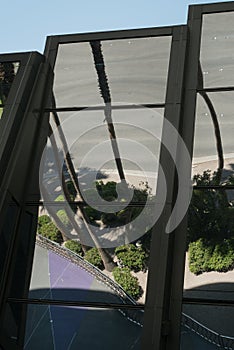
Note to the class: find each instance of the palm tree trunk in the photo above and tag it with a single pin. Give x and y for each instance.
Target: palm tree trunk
(107, 260)
(105, 93)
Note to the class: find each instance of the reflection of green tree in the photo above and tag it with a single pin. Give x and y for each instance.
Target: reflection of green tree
(7, 75)
(108, 192)
(128, 282)
(210, 226)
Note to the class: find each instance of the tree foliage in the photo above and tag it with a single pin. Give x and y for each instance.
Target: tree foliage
(210, 226)
(42, 220)
(205, 256)
(131, 256)
(94, 258)
(74, 246)
(128, 282)
(51, 232)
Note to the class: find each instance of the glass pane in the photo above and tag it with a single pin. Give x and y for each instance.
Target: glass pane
(209, 270)
(7, 233)
(210, 233)
(114, 219)
(127, 71)
(60, 327)
(20, 277)
(217, 54)
(209, 274)
(89, 142)
(207, 327)
(208, 126)
(8, 71)
(59, 274)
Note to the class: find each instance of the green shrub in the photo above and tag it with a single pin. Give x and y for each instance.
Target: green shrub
(42, 220)
(74, 246)
(132, 257)
(199, 256)
(128, 282)
(94, 258)
(222, 258)
(205, 256)
(51, 232)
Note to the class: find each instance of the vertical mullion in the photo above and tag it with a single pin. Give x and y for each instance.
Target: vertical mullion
(157, 308)
(187, 133)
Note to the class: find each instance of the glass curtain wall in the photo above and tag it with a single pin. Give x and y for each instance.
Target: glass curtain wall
(209, 279)
(98, 186)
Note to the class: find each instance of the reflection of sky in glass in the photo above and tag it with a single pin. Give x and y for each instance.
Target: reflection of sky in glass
(136, 71)
(204, 141)
(217, 53)
(138, 134)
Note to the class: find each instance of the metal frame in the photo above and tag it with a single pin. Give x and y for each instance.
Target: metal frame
(159, 286)
(162, 314)
(162, 319)
(53, 42)
(23, 136)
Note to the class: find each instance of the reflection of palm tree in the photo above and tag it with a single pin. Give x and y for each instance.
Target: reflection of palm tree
(106, 258)
(105, 93)
(215, 124)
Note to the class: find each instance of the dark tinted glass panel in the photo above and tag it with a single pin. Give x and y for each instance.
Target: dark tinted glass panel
(207, 327)
(214, 131)
(8, 71)
(127, 71)
(6, 234)
(20, 278)
(217, 55)
(64, 327)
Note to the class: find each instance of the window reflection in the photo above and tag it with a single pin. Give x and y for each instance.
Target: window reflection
(136, 70)
(80, 328)
(217, 55)
(207, 145)
(8, 71)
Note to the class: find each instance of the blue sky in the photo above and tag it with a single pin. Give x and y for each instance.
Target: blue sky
(25, 24)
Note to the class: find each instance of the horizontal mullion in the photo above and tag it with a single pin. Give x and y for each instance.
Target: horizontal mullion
(213, 187)
(97, 108)
(76, 303)
(115, 35)
(83, 203)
